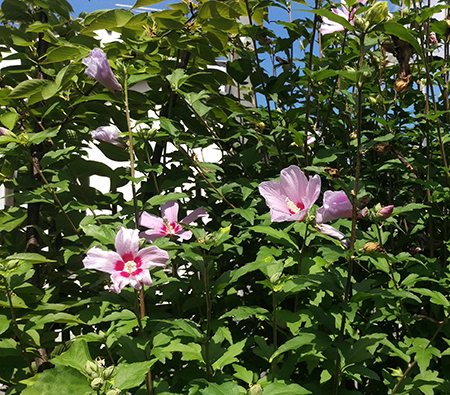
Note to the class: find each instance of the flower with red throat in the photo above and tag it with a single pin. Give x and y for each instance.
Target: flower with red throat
(128, 265)
(99, 68)
(168, 225)
(330, 26)
(292, 197)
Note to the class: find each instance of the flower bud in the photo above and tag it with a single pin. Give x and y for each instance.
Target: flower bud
(97, 383)
(361, 24)
(107, 373)
(255, 390)
(386, 212)
(92, 369)
(377, 13)
(114, 392)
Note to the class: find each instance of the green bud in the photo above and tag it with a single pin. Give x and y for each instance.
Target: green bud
(372, 100)
(107, 373)
(255, 390)
(92, 369)
(361, 24)
(377, 13)
(113, 392)
(102, 336)
(12, 264)
(97, 383)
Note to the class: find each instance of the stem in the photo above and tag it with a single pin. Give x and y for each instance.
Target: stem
(17, 329)
(208, 320)
(348, 286)
(274, 333)
(299, 271)
(131, 150)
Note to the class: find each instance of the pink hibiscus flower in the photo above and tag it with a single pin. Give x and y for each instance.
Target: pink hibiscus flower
(168, 225)
(292, 198)
(127, 265)
(336, 205)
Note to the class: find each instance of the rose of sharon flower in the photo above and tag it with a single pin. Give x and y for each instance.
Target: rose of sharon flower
(99, 68)
(127, 265)
(292, 198)
(3, 131)
(330, 26)
(330, 231)
(336, 205)
(168, 225)
(108, 134)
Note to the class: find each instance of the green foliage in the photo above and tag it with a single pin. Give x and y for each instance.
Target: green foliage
(246, 305)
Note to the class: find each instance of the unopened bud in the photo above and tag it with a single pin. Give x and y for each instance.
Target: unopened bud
(386, 212)
(255, 390)
(107, 373)
(361, 24)
(92, 369)
(97, 383)
(377, 13)
(114, 392)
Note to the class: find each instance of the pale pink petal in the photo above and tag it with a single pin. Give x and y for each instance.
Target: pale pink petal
(197, 213)
(184, 235)
(342, 13)
(330, 231)
(151, 235)
(335, 205)
(127, 243)
(151, 221)
(108, 134)
(105, 261)
(274, 195)
(313, 189)
(294, 183)
(144, 278)
(329, 27)
(169, 211)
(119, 281)
(151, 256)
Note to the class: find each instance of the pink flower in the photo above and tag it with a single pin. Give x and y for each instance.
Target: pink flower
(330, 231)
(386, 212)
(127, 265)
(168, 225)
(99, 68)
(108, 134)
(330, 26)
(335, 205)
(292, 198)
(310, 139)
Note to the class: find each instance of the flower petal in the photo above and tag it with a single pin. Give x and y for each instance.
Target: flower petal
(151, 221)
(151, 235)
(169, 211)
(152, 256)
(274, 195)
(184, 234)
(119, 282)
(336, 205)
(104, 261)
(127, 243)
(99, 68)
(294, 183)
(330, 231)
(313, 189)
(144, 278)
(197, 213)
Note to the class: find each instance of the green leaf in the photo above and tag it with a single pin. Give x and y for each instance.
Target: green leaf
(145, 3)
(131, 375)
(190, 351)
(9, 119)
(29, 257)
(216, 10)
(280, 236)
(159, 200)
(61, 380)
(27, 88)
(229, 356)
(228, 388)
(110, 20)
(76, 357)
(243, 312)
(401, 32)
(436, 297)
(103, 233)
(280, 388)
(177, 78)
(293, 344)
(37, 138)
(333, 17)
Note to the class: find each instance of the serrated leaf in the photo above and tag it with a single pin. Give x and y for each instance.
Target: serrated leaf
(76, 357)
(229, 356)
(131, 375)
